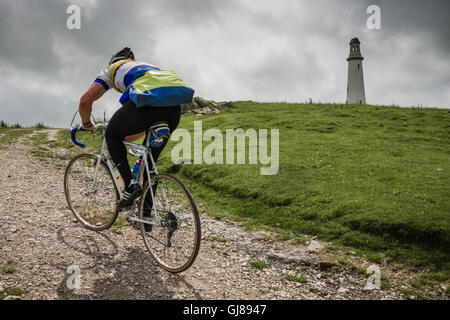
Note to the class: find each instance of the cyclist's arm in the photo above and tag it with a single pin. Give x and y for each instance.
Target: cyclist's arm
(95, 91)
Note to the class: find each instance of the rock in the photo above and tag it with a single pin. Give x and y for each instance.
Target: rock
(226, 105)
(205, 110)
(201, 106)
(342, 290)
(202, 103)
(185, 108)
(177, 165)
(12, 298)
(291, 257)
(315, 246)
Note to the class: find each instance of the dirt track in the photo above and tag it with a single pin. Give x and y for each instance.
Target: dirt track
(40, 240)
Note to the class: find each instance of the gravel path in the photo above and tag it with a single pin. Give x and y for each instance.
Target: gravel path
(42, 245)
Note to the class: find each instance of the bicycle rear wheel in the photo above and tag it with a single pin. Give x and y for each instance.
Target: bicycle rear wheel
(174, 237)
(90, 192)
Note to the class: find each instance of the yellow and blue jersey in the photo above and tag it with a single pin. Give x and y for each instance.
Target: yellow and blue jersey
(145, 84)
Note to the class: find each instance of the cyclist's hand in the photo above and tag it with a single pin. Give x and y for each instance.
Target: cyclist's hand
(88, 127)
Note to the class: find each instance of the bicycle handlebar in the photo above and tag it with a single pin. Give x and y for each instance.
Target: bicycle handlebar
(99, 127)
(74, 138)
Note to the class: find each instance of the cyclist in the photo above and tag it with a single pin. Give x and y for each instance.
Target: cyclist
(131, 120)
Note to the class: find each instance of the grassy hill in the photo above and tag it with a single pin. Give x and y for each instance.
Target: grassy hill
(371, 178)
(375, 179)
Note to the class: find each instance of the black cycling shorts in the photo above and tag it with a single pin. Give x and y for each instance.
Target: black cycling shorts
(129, 120)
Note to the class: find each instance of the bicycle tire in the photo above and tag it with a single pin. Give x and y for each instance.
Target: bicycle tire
(181, 241)
(112, 212)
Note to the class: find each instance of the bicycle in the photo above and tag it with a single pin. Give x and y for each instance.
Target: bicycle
(165, 213)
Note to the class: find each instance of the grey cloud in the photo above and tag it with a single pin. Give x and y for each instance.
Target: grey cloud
(237, 49)
(189, 13)
(27, 33)
(410, 16)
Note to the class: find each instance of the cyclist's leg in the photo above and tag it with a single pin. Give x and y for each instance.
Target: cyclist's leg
(120, 125)
(172, 116)
(129, 120)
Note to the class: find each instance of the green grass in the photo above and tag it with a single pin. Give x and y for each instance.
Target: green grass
(385, 283)
(371, 178)
(273, 288)
(9, 135)
(258, 264)
(93, 142)
(118, 225)
(295, 278)
(11, 291)
(42, 153)
(427, 286)
(39, 137)
(9, 270)
(428, 280)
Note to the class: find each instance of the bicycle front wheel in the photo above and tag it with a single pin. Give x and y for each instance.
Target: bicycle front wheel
(173, 238)
(90, 192)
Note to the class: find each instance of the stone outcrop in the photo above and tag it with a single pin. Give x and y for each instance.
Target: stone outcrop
(202, 106)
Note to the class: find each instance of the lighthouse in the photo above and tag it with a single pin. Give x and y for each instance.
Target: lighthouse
(355, 81)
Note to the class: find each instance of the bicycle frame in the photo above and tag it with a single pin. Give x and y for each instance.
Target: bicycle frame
(146, 154)
(173, 241)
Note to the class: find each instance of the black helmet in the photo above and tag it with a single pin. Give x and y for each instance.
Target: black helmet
(123, 54)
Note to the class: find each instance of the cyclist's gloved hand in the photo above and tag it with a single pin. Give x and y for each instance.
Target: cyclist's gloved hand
(88, 126)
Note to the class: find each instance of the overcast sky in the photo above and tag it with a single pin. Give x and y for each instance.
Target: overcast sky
(257, 50)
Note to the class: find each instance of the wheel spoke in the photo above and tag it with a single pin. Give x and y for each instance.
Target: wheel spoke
(174, 245)
(90, 192)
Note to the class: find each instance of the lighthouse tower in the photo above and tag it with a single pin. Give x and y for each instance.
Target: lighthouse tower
(355, 80)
